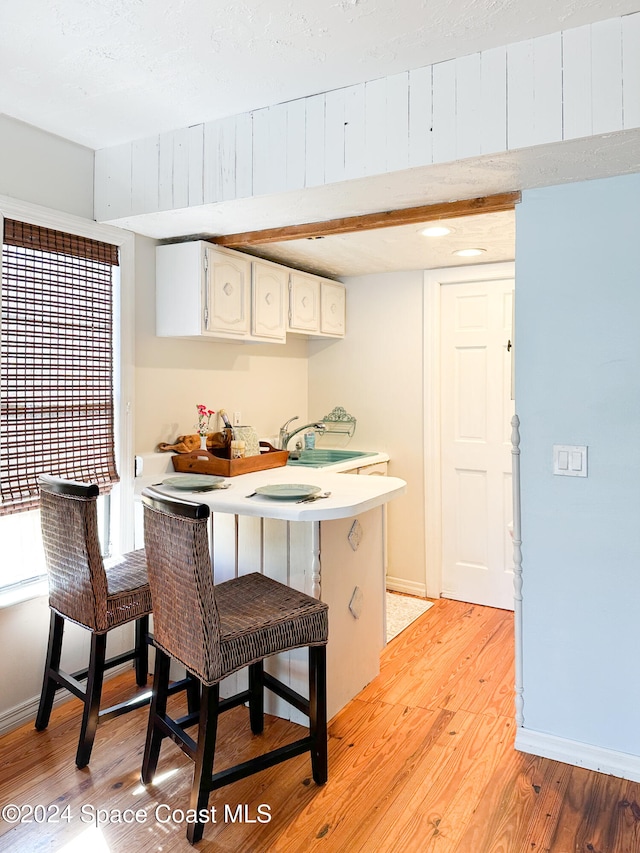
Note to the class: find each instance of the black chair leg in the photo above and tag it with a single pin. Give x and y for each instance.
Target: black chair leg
(207, 730)
(157, 711)
(256, 697)
(318, 713)
(52, 665)
(193, 694)
(142, 650)
(92, 699)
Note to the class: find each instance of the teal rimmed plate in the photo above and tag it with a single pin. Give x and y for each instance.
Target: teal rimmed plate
(194, 483)
(287, 491)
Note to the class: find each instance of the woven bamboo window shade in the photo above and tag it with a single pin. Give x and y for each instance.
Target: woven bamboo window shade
(56, 362)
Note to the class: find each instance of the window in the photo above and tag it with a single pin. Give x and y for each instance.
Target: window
(57, 411)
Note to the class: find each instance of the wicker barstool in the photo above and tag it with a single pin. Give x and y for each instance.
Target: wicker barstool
(98, 596)
(216, 630)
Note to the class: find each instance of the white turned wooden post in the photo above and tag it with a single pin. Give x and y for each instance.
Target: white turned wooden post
(517, 569)
(316, 575)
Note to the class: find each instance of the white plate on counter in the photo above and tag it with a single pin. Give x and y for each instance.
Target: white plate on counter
(193, 483)
(287, 491)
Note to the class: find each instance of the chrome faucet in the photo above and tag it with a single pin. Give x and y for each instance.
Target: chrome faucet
(285, 436)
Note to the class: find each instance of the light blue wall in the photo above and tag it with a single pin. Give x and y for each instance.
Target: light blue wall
(578, 382)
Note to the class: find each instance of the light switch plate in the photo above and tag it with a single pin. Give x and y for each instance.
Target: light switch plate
(570, 460)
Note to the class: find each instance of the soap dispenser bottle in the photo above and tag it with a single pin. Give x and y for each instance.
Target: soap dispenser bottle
(309, 440)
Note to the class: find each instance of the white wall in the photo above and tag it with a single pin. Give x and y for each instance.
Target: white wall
(578, 369)
(266, 383)
(376, 374)
(40, 168)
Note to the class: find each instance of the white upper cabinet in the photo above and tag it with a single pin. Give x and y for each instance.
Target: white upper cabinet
(317, 306)
(203, 291)
(332, 309)
(226, 293)
(269, 295)
(304, 303)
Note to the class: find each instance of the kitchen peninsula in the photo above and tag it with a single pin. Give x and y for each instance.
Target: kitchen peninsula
(332, 548)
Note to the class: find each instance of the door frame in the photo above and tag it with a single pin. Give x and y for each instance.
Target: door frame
(433, 281)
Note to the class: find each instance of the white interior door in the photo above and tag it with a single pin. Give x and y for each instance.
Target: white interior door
(476, 410)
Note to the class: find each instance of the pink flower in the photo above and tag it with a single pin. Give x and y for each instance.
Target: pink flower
(204, 419)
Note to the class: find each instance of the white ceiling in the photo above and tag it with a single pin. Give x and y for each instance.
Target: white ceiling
(102, 72)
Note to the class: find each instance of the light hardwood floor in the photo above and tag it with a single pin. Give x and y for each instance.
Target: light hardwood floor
(422, 760)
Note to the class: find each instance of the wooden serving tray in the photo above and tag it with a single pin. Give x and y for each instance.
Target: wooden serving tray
(204, 462)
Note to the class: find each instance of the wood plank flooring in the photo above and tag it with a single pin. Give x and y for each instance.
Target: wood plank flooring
(422, 760)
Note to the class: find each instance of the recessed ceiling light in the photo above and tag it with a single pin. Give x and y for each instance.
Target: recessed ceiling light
(436, 231)
(469, 253)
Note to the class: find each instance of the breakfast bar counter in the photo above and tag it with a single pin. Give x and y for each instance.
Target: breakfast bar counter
(349, 494)
(332, 548)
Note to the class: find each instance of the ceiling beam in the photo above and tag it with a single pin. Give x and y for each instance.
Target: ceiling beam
(370, 221)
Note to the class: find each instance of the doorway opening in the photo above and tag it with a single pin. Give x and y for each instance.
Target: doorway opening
(468, 408)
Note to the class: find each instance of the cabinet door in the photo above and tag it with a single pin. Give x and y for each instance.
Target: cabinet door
(227, 294)
(378, 469)
(332, 309)
(304, 303)
(269, 285)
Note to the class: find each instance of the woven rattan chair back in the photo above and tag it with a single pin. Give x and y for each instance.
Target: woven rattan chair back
(77, 579)
(186, 622)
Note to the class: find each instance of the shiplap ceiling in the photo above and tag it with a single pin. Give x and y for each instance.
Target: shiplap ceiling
(102, 73)
(400, 248)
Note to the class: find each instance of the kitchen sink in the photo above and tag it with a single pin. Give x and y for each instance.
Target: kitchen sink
(320, 457)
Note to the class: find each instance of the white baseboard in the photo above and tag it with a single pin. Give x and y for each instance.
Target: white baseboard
(621, 764)
(26, 711)
(21, 714)
(408, 587)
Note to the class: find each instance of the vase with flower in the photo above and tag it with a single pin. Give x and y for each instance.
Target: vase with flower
(203, 425)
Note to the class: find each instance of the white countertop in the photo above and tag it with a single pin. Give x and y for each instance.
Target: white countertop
(351, 494)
